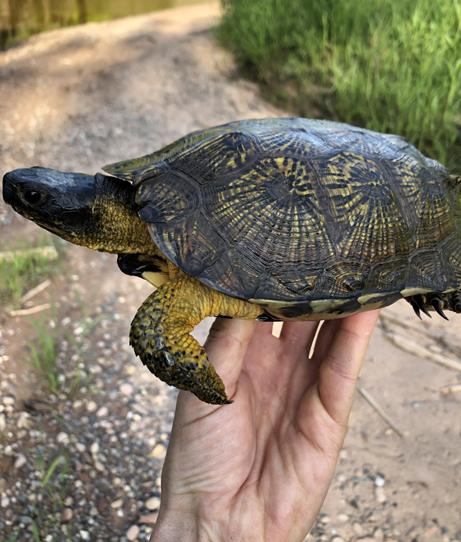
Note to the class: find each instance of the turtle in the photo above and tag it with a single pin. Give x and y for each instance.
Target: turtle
(263, 219)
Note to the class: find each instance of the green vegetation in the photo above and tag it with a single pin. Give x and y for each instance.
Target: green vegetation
(26, 266)
(54, 488)
(43, 352)
(44, 349)
(391, 66)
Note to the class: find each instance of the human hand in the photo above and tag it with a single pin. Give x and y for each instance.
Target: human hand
(259, 469)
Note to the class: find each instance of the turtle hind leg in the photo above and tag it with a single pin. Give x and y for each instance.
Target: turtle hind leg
(455, 301)
(160, 335)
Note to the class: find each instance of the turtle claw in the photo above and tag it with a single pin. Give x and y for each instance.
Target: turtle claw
(434, 301)
(418, 299)
(437, 304)
(415, 307)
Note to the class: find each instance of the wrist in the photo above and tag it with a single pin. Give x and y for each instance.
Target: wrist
(177, 525)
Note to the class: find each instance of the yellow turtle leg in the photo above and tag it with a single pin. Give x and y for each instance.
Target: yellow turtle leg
(160, 334)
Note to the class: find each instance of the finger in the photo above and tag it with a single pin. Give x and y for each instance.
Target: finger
(324, 339)
(226, 347)
(299, 333)
(341, 365)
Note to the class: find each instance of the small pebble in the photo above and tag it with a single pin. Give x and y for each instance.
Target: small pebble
(380, 495)
(132, 533)
(159, 451)
(366, 539)
(379, 482)
(337, 539)
(343, 518)
(20, 461)
(62, 438)
(66, 515)
(117, 504)
(2, 422)
(94, 448)
(80, 447)
(325, 519)
(153, 503)
(126, 389)
(148, 518)
(8, 400)
(84, 535)
(24, 421)
(358, 529)
(4, 501)
(102, 412)
(91, 406)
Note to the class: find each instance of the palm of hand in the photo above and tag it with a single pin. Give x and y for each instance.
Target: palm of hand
(259, 469)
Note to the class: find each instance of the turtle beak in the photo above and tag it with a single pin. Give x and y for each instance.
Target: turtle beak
(8, 188)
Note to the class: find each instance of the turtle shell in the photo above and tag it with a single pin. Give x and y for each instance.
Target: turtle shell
(301, 216)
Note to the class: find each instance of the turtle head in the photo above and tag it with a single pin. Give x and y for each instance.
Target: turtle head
(94, 211)
(59, 202)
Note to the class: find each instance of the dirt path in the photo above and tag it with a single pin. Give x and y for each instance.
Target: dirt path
(77, 99)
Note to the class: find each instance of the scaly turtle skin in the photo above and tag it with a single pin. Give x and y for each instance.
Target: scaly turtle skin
(271, 219)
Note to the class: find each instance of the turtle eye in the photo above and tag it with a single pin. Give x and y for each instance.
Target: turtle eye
(32, 197)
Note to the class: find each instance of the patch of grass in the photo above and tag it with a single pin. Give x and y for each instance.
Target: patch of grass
(54, 488)
(44, 349)
(43, 352)
(388, 66)
(24, 266)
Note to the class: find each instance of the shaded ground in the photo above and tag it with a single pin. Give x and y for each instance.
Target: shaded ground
(83, 97)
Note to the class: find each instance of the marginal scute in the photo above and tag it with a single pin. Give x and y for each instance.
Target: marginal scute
(407, 292)
(136, 170)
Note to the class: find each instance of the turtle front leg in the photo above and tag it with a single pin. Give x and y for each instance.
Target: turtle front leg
(160, 334)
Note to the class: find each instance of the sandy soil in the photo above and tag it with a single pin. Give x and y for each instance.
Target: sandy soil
(79, 98)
